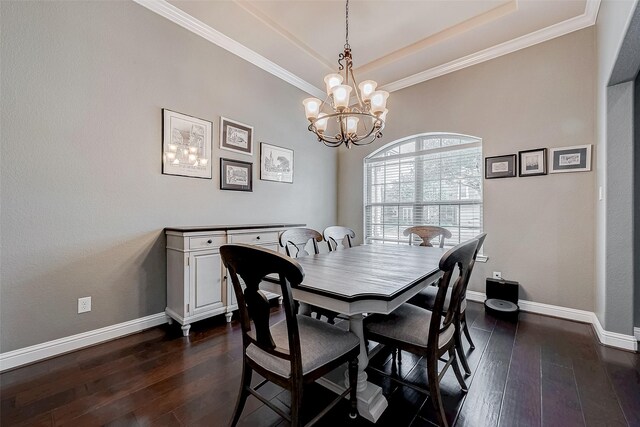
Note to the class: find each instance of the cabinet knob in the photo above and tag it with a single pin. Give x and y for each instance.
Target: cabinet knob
(209, 241)
(258, 238)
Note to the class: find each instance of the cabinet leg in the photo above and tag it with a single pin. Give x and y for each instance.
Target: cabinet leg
(280, 300)
(185, 329)
(228, 316)
(170, 320)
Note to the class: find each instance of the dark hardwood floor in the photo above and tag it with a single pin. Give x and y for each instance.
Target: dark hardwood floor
(537, 372)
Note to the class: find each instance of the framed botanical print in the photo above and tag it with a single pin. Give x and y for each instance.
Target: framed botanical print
(236, 175)
(532, 162)
(186, 145)
(236, 136)
(570, 159)
(276, 163)
(500, 166)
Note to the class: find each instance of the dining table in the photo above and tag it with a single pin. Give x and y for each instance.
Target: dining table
(366, 279)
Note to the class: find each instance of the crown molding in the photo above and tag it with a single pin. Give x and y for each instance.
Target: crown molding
(587, 19)
(176, 15)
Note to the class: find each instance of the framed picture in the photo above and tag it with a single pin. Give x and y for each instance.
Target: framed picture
(500, 166)
(532, 162)
(236, 175)
(571, 159)
(236, 136)
(186, 145)
(276, 163)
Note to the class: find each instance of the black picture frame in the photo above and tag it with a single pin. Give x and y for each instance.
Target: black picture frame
(532, 162)
(500, 166)
(236, 136)
(232, 177)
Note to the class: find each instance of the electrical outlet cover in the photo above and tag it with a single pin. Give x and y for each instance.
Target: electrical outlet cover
(84, 304)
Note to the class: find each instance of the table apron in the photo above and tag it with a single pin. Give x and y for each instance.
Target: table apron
(355, 307)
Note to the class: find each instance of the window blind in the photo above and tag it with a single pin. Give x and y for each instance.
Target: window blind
(431, 179)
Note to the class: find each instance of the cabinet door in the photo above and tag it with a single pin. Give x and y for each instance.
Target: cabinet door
(206, 282)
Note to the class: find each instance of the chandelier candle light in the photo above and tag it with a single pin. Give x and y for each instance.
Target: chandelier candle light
(359, 124)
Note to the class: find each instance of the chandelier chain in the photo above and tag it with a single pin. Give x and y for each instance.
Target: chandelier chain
(346, 45)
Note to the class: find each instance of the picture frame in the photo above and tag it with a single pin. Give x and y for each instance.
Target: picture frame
(500, 166)
(276, 163)
(187, 142)
(532, 162)
(576, 158)
(236, 136)
(236, 175)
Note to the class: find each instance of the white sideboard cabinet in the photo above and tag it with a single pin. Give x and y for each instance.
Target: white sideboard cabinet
(197, 285)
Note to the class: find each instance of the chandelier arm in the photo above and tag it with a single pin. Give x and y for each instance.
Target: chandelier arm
(355, 87)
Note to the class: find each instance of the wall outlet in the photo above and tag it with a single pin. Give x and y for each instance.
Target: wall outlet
(497, 275)
(84, 304)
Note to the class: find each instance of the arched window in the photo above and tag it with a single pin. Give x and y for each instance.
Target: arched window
(426, 179)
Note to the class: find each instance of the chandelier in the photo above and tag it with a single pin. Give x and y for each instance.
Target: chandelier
(358, 124)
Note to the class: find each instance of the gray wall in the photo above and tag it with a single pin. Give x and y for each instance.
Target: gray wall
(83, 198)
(540, 229)
(614, 281)
(619, 189)
(636, 202)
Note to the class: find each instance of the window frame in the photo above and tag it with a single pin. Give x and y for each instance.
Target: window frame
(375, 157)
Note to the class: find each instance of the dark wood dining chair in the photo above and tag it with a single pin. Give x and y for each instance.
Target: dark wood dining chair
(295, 241)
(339, 237)
(293, 352)
(427, 233)
(427, 297)
(426, 333)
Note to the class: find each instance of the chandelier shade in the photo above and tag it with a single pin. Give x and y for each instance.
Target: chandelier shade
(337, 120)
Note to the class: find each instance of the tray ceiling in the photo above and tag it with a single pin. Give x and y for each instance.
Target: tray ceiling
(397, 43)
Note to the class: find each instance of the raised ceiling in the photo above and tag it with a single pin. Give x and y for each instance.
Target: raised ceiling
(397, 43)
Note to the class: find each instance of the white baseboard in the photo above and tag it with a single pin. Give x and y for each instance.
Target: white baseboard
(612, 339)
(23, 356)
(34, 353)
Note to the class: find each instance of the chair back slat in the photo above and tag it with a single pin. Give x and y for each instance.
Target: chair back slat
(295, 241)
(249, 265)
(427, 233)
(336, 236)
(480, 238)
(459, 257)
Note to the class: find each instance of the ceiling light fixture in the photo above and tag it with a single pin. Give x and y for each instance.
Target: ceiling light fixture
(359, 124)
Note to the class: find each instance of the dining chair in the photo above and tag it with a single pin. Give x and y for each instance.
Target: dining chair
(426, 299)
(295, 241)
(427, 233)
(293, 352)
(429, 334)
(336, 236)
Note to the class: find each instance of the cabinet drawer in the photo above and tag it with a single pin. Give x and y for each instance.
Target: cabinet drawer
(205, 242)
(255, 238)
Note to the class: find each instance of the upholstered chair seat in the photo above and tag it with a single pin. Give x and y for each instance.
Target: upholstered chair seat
(320, 343)
(408, 323)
